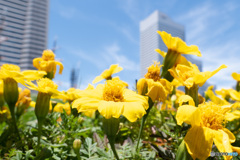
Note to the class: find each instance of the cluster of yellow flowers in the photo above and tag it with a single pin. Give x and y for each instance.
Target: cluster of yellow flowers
(113, 99)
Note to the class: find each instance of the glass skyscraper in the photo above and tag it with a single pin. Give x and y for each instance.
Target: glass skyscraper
(25, 25)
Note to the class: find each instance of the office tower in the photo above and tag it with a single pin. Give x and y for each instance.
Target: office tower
(151, 40)
(25, 25)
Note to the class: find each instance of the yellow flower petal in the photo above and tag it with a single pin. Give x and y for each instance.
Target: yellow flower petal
(133, 110)
(202, 77)
(188, 114)
(109, 109)
(185, 98)
(178, 45)
(236, 76)
(199, 142)
(222, 141)
(162, 53)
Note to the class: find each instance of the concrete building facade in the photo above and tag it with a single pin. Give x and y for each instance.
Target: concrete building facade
(25, 25)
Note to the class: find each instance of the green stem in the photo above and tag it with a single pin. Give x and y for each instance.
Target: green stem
(78, 155)
(15, 126)
(110, 127)
(112, 142)
(39, 134)
(150, 103)
(193, 92)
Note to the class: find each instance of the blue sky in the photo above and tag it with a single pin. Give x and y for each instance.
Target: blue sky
(92, 34)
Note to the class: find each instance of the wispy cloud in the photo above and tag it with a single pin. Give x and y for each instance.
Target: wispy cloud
(113, 55)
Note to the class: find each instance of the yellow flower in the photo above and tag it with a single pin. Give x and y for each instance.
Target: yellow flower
(189, 76)
(207, 126)
(44, 85)
(112, 100)
(152, 85)
(209, 92)
(224, 93)
(107, 74)
(60, 107)
(47, 63)
(234, 113)
(14, 72)
(24, 98)
(11, 74)
(178, 45)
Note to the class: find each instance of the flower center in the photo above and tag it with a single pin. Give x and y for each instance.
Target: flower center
(154, 72)
(46, 83)
(113, 91)
(48, 55)
(11, 67)
(213, 116)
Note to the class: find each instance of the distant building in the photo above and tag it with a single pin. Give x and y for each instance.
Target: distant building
(26, 29)
(151, 40)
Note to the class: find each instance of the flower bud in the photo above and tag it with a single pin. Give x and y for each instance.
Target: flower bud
(10, 92)
(77, 144)
(42, 105)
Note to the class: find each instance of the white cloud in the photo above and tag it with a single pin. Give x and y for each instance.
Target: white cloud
(113, 55)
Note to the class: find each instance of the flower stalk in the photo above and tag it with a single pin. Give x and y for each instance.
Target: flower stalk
(110, 127)
(193, 92)
(151, 103)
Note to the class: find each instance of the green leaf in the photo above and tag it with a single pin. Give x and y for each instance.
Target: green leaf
(182, 153)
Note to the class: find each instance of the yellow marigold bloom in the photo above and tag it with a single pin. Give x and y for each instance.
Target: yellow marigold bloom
(24, 98)
(44, 85)
(152, 85)
(178, 45)
(224, 93)
(207, 126)
(189, 76)
(209, 92)
(112, 99)
(107, 74)
(14, 72)
(234, 113)
(47, 63)
(60, 107)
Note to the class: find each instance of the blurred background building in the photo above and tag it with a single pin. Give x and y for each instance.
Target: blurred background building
(24, 30)
(151, 40)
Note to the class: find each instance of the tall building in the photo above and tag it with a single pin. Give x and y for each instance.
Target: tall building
(25, 25)
(151, 40)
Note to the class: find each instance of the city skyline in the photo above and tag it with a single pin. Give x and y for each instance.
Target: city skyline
(25, 28)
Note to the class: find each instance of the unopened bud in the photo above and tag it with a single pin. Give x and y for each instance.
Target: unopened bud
(80, 120)
(77, 144)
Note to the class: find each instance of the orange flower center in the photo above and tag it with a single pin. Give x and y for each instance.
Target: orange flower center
(113, 91)
(11, 67)
(46, 83)
(154, 72)
(48, 55)
(213, 116)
